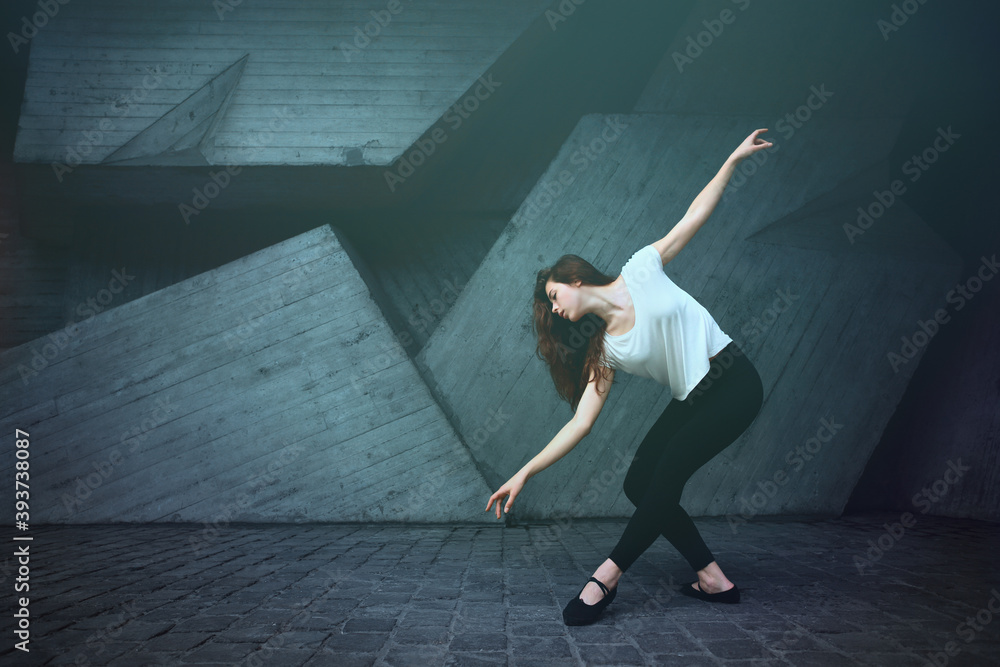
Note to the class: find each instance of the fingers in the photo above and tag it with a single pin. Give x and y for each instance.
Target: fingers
(498, 496)
(504, 491)
(510, 501)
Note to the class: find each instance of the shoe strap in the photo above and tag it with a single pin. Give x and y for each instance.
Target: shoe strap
(599, 583)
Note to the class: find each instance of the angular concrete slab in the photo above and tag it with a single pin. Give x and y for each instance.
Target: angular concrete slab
(269, 389)
(819, 322)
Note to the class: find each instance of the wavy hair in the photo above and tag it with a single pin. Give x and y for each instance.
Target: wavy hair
(574, 351)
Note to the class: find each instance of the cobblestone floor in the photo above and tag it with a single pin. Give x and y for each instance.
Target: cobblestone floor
(463, 595)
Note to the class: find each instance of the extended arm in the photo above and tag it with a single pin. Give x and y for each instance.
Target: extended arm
(703, 205)
(568, 437)
(575, 430)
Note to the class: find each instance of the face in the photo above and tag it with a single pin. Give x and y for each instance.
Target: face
(564, 299)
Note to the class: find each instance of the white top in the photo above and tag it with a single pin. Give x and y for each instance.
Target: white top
(673, 336)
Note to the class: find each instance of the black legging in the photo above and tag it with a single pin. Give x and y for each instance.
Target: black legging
(685, 437)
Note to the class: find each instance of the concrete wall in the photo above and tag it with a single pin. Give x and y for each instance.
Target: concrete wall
(138, 105)
(839, 125)
(817, 317)
(312, 92)
(917, 81)
(939, 453)
(269, 389)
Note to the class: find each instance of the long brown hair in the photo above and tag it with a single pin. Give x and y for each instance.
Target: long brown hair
(574, 351)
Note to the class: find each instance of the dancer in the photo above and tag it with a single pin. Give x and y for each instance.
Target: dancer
(649, 327)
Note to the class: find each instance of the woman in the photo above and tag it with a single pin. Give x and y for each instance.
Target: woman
(649, 327)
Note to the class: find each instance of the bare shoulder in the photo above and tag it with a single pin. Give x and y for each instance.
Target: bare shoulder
(663, 248)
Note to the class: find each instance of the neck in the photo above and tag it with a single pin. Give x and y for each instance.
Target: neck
(606, 301)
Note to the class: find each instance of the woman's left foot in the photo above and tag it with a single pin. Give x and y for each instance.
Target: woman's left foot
(578, 612)
(710, 589)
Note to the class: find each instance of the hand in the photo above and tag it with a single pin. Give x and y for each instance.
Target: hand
(512, 487)
(750, 145)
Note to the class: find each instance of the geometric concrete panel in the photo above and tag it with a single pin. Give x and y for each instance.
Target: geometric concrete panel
(330, 83)
(177, 136)
(870, 220)
(268, 389)
(821, 322)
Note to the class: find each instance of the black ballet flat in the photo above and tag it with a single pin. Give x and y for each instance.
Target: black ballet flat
(732, 596)
(578, 612)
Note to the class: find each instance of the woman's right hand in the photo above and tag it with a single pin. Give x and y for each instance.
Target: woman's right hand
(750, 145)
(511, 487)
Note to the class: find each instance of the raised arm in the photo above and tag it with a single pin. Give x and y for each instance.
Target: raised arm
(575, 430)
(703, 205)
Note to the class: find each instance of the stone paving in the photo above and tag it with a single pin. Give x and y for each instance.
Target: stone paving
(313, 594)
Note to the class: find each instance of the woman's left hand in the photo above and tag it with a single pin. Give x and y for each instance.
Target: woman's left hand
(751, 145)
